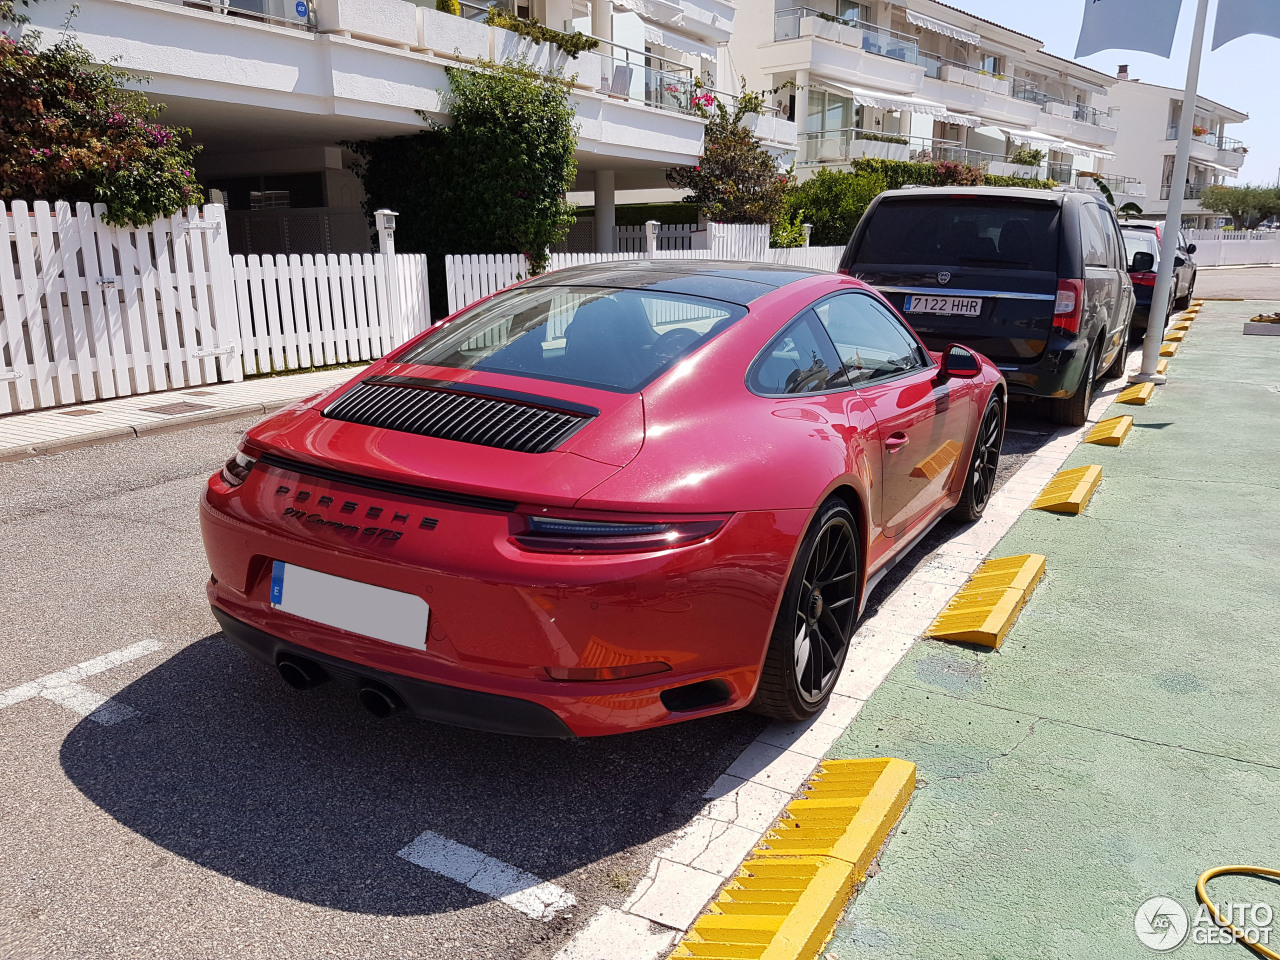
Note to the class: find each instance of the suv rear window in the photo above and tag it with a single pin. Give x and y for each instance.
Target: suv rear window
(603, 337)
(947, 232)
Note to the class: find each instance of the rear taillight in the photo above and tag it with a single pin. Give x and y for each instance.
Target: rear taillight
(1143, 279)
(1067, 306)
(564, 535)
(236, 470)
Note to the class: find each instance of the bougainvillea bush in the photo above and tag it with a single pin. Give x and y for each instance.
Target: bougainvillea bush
(71, 129)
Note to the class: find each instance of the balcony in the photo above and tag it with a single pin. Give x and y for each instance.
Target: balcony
(283, 13)
(834, 147)
(1122, 188)
(1193, 191)
(846, 52)
(790, 24)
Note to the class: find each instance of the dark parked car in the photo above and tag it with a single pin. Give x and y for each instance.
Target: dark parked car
(1036, 280)
(1145, 238)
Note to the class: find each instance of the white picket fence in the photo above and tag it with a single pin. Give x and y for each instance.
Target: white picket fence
(1224, 248)
(471, 278)
(89, 311)
(668, 236)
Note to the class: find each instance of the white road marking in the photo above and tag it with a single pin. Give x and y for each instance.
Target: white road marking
(741, 808)
(480, 872)
(64, 687)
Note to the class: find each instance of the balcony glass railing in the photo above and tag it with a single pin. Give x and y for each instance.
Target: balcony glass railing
(299, 14)
(849, 143)
(1056, 106)
(1206, 136)
(1231, 146)
(1114, 184)
(1058, 171)
(1193, 191)
(878, 40)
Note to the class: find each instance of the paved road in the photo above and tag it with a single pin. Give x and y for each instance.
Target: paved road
(1246, 283)
(226, 815)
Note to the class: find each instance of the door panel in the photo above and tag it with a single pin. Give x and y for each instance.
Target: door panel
(922, 424)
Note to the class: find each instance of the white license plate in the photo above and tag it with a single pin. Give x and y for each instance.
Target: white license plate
(361, 608)
(925, 303)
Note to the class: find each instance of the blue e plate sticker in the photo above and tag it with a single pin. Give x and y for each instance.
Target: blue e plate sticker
(277, 581)
(906, 304)
(301, 9)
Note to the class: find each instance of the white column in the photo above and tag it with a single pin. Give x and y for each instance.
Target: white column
(602, 19)
(604, 200)
(801, 117)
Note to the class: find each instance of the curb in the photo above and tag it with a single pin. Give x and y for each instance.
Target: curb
(133, 432)
(785, 900)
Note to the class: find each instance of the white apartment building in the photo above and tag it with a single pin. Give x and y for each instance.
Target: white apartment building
(922, 80)
(1149, 116)
(271, 88)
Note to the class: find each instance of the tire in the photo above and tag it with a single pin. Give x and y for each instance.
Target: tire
(795, 683)
(1073, 411)
(1116, 370)
(981, 481)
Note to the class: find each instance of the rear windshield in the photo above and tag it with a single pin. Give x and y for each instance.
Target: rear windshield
(954, 232)
(1140, 240)
(602, 337)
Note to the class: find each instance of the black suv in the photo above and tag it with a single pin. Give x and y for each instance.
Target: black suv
(1035, 279)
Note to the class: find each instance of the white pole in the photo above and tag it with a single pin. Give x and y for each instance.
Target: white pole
(1173, 215)
(385, 220)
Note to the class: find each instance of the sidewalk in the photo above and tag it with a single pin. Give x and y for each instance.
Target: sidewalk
(39, 432)
(1124, 739)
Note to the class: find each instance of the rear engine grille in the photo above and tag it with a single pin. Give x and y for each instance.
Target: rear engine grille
(481, 415)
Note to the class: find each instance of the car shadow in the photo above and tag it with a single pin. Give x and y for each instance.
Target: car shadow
(306, 796)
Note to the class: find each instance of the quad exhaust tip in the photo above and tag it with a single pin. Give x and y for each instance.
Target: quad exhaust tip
(300, 673)
(381, 701)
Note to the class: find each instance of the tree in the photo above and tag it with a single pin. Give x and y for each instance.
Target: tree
(75, 130)
(736, 179)
(492, 181)
(1247, 205)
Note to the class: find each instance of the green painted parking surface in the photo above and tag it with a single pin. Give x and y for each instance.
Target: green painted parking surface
(1126, 737)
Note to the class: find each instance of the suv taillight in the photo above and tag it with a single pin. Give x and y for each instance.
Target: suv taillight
(1067, 306)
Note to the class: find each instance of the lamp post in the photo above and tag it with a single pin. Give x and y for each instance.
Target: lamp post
(1173, 214)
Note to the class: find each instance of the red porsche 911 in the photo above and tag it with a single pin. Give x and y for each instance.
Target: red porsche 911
(608, 498)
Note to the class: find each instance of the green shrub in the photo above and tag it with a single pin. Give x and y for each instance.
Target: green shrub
(990, 180)
(833, 201)
(449, 6)
(883, 138)
(530, 27)
(75, 130)
(493, 181)
(1027, 157)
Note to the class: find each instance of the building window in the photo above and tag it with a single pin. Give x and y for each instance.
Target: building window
(991, 64)
(268, 199)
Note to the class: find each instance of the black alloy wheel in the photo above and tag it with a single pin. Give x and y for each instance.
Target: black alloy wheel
(816, 619)
(981, 480)
(824, 616)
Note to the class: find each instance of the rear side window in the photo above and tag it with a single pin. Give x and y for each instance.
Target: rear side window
(1093, 236)
(609, 338)
(870, 340)
(801, 359)
(962, 231)
(1135, 241)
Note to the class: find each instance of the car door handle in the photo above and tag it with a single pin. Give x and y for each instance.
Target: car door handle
(896, 441)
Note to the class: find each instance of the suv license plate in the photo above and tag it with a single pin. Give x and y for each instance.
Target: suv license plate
(963, 306)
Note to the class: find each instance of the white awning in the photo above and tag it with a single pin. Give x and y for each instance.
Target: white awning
(1216, 166)
(674, 41)
(963, 120)
(1081, 150)
(886, 101)
(661, 11)
(939, 26)
(1020, 135)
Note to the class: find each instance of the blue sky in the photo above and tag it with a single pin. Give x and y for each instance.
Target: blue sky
(1241, 74)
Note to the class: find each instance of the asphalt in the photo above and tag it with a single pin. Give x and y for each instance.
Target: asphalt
(231, 816)
(1238, 283)
(1124, 739)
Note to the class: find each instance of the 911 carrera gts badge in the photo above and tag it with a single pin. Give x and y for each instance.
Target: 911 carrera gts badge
(351, 507)
(944, 277)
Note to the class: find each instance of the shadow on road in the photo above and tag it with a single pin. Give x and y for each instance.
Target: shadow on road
(305, 796)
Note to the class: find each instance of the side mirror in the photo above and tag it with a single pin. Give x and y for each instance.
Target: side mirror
(958, 361)
(1143, 262)
(1191, 248)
